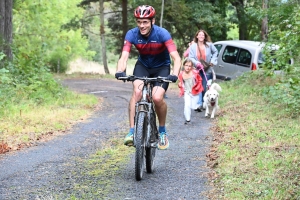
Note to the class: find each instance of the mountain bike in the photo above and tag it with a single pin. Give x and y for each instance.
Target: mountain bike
(145, 137)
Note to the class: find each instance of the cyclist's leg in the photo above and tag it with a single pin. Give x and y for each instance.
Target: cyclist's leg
(160, 104)
(140, 71)
(136, 96)
(158, 93)
(161, 111)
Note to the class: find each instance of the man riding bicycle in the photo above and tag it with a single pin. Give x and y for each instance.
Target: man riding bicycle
(155, 46)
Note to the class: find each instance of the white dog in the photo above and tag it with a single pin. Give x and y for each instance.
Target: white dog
(210, 103)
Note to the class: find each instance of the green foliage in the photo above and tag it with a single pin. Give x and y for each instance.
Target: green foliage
(233, 33)
(41, 29)
(182, 18)
(284, 29)
(43, 41)
(282, 90)
(286, 92)
(34, 86)
(4, 75)
(2, 56)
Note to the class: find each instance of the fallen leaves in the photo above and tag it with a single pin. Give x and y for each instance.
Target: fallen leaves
(212, 158)
(4, 147)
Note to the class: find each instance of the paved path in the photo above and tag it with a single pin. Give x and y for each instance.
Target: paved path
(180, 171)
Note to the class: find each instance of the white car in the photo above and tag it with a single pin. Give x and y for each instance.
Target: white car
(236, 57)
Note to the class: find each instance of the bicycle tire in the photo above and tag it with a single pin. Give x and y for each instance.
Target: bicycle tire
(150, 151)
(141, 131)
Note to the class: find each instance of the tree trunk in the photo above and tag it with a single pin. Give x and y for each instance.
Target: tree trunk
(124, 22)
(58, 66)
(162, 12)
(243, 21)
(102, 35)
(6, 27)
(223, 14)
(2, 20)
(264, 25)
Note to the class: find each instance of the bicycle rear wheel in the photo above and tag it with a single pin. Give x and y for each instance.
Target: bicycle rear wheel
(141, 132)
(150, 151)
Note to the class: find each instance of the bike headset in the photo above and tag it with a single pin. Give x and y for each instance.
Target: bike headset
(145, 12)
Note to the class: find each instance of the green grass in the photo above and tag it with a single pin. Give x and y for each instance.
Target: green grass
(26, 122)
(99, 170)
(258, 153)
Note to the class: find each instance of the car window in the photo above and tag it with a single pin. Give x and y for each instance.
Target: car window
(218, 46)
(230, 54)
(244, 58)
(261, 58)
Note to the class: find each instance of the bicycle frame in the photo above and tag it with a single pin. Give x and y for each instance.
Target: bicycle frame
(145, 136)
(145, 105)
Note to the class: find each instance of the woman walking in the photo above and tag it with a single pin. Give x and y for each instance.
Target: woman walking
(203, 50)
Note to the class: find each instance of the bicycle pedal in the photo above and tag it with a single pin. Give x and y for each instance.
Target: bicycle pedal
(154, 144)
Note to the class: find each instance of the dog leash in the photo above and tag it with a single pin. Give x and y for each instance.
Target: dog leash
(203, 67)
(205, 77)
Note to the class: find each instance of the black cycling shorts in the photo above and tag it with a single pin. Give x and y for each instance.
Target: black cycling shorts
(141, 71)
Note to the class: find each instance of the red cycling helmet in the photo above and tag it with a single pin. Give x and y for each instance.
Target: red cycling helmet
(144, 12)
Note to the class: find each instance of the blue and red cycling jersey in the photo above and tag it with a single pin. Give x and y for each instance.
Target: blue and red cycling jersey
(154, 50)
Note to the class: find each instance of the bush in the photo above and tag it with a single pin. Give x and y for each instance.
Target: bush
(27, 80)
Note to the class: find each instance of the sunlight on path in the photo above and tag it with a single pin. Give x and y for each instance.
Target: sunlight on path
(84, 66)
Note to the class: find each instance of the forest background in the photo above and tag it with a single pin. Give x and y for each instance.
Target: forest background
(39, 39)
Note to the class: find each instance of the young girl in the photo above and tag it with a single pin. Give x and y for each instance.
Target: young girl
(190, 85)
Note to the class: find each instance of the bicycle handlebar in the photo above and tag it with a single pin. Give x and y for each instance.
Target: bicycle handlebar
(156, 79)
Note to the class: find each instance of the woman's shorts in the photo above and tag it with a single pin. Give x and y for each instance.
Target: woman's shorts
(141, 71)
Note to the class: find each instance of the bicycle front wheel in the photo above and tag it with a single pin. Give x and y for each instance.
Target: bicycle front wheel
(150, 151)
(140, 136)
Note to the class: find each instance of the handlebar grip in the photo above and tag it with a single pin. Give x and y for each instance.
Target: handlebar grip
(122, 78)
(163, 79)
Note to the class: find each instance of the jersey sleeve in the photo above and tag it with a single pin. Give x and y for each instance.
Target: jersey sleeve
(168, 41)
(171, 46)
(127, 46)
(128, 41)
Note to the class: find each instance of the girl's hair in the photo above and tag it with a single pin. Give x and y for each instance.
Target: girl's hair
(206, 37)
(186, 60)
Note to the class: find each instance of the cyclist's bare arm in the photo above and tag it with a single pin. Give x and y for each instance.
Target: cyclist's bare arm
(177, 62)
(122, 63)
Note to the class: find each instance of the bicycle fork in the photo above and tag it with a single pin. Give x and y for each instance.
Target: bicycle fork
(152, 133)
(146, 108)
